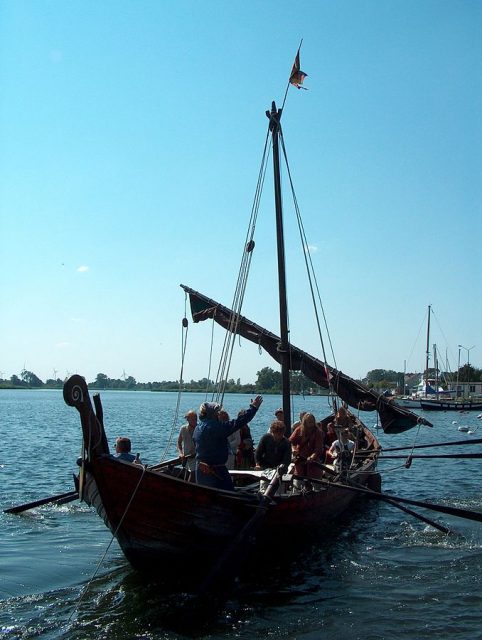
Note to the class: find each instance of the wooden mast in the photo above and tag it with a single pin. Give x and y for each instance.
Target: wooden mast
(275, 127)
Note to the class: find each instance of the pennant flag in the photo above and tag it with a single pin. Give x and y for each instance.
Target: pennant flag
(297, 76)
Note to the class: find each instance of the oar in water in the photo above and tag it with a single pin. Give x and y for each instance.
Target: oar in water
(418, 516)
(467, 514)
(457, 456)
(61, 498)
(456, 443)
(204, 604)
(231, 557)
(432, 523)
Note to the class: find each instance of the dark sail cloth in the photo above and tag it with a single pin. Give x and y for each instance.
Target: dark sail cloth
(212, 449)
(394, 418)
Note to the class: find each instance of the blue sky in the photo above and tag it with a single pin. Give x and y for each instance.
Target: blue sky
(131, 139)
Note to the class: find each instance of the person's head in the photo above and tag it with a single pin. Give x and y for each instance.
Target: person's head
(209, 410)
(277, 429)
(280, 414)
(223, 415)
(191, 417)
(330, 428)
(308, 424)
(122, 445)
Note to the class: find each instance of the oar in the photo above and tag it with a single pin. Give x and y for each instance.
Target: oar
(458, 456)
(437, 444)
(432, 523)
(416, 515)
(240, 542)
(451, 511)
(61, 498)
(216, 587)
(168, 463)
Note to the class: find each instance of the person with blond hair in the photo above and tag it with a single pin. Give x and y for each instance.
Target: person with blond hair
(185, 442)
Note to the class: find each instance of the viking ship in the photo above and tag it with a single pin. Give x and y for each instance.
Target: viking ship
(161, 520)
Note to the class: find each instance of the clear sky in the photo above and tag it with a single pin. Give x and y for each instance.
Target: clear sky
(131, 140)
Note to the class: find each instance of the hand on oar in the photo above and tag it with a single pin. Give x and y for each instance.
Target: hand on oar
(61, 498)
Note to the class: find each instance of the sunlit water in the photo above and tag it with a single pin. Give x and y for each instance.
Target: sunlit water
(379, 575)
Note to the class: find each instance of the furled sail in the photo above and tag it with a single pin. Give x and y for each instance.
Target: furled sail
(393, 418)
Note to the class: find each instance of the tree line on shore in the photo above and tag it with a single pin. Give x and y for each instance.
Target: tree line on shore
(267, 381)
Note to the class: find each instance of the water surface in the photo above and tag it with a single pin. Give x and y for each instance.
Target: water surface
(379, 575)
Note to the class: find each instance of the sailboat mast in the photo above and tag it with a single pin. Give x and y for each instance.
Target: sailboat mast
(275, 127)
(427, 350)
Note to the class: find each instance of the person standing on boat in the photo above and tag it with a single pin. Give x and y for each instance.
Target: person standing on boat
(274, 448)
(342, 419)
(211, 440)
(185, 442)
(307, 443)
(245, 452)
(233, 441)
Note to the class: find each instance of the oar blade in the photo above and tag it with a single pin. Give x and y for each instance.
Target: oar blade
(61, 498)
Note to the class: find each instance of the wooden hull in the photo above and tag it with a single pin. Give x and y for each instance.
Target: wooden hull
(177, 529)
(165, 524)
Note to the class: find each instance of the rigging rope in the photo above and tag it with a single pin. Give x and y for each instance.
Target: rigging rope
(238, 298)
(312, 280)
(184, 335)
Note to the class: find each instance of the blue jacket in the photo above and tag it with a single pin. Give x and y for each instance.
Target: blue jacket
(128, 457)
(211, 437)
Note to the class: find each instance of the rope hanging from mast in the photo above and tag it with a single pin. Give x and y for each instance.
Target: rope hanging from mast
(184, 335)
(238, 298)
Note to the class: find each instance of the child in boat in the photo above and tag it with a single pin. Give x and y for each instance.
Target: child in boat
(342, 450)
(123, 450)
